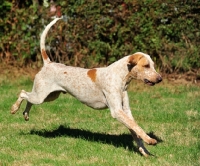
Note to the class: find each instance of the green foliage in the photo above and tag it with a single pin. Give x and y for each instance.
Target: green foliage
(5, 7)
(96, 33)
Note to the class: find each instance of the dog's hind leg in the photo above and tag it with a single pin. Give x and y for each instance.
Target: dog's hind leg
(26, 111)
(31, 98)
(52, 96)
(22, 96)
(37, 96)
(17, 104)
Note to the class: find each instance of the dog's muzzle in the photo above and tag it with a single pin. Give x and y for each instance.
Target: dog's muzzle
(159, 79)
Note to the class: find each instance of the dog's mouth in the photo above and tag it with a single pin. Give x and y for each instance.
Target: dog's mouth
(149, 82)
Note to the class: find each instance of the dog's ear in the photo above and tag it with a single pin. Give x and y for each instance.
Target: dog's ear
(133, 60)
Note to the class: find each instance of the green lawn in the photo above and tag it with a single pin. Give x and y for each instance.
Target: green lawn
(66, 132)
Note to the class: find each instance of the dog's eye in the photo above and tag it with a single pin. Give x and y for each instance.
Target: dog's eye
(147, 66)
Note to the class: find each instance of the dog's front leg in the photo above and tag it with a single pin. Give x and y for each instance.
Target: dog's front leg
(115, 104)
(131, 124)
(140, 144)
(137, 139)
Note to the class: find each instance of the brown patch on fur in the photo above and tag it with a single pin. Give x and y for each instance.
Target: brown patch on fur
(65, 72)
(138, 59)
(133, 59)
(92, 74)
(143, 62)
(44, 54)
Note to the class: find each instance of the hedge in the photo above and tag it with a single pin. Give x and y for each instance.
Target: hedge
(97, 33)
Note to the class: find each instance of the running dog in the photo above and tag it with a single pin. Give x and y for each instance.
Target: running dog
(98, 88)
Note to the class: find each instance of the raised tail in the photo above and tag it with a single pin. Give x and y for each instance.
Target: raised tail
(42, 40)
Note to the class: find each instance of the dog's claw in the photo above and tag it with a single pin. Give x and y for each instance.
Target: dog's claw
(144, 152)
(26, 117)
(14, 108)
(152, 142)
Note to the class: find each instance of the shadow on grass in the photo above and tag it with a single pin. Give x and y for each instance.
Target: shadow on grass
(122, 140)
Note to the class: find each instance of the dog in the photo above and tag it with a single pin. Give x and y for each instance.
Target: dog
(98, 88)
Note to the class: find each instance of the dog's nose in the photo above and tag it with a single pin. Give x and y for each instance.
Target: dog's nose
(159, 79)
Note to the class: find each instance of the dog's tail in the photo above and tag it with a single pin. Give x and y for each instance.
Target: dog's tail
(42, 40)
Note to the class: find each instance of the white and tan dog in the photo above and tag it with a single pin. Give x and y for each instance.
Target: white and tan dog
(98, 88)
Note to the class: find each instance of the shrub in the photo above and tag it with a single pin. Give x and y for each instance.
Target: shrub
(97, 33)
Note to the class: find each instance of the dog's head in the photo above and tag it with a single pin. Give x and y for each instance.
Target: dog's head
(141, 67)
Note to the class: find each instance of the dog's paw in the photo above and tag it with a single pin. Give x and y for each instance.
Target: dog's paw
(152, 141)
(14, 109)
(144, 151)
(26, 117)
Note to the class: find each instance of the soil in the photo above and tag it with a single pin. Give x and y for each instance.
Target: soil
(12, 73)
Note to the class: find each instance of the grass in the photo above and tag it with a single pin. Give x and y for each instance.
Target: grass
(66, 132)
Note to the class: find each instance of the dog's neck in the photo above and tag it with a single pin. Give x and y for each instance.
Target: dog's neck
(123, 72)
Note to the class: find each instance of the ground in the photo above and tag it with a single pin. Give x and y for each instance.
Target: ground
(55, 135)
